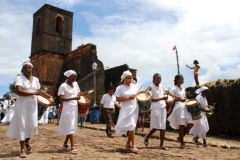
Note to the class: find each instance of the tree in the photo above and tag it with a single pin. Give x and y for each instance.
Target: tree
(12, 87)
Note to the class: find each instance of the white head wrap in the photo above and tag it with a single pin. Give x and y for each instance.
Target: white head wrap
(69, 73)
(125, 74)
(200, 90)
(27, 63)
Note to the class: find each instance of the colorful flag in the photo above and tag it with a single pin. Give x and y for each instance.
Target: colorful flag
(174, 48)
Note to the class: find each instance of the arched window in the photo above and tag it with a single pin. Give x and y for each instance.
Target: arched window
(59, 23)
(38, 26)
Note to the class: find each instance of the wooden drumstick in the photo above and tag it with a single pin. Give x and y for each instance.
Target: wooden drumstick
(139, 89)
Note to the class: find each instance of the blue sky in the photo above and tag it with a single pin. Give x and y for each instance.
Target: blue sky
(140, 33)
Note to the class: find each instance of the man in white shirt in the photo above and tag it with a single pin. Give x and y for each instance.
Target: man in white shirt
(108, 103)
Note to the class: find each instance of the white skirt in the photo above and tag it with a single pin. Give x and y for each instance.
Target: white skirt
(158, 118)
(127, 119)
(68, 121)
(24, 122)
(179, 116)
(200, 127)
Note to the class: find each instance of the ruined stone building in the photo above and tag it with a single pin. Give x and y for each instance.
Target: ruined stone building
(52, 55)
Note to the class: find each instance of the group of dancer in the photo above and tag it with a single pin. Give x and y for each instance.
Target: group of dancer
(24, 123)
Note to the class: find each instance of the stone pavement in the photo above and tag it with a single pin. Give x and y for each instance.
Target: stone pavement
(172, 136)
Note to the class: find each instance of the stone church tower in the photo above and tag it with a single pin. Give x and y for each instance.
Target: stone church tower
(51, 41)
(52, 53)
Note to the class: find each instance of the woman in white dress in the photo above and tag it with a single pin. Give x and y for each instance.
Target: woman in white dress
(69, 93)
(24, 123)
(180, 118)
(201, 127)
(158, 110)
(127, 119)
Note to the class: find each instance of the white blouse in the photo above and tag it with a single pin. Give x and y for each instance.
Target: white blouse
(69, 92)
(125, 91)
(157, 92)
(26, 85)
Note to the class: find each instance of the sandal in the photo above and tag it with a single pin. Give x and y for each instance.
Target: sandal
(134, 150)
(22, 154)
(73, 150)
(28, 148)
(163, 148)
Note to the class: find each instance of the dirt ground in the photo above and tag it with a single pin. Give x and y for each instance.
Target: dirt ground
(94, 144)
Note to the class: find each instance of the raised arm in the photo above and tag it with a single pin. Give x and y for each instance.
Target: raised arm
(189, 66)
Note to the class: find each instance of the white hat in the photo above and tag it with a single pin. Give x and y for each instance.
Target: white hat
(69, 73)
(200, 90)
(27, 63)
(125, 74)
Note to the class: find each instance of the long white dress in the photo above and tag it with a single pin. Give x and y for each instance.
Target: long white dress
(128, 115)
(200, 127)
(180, 114)
(69, 117)
(24, 122)
(158, 109)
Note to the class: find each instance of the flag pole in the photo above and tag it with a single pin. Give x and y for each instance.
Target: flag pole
(177, 61)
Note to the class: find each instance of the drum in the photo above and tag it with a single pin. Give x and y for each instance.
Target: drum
(194, 109)
(44, 101)
(169, 103)
(143, 96)
(143, 99)
(43, 104)
(84, 104)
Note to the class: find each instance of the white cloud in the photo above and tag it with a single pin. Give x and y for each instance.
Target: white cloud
(202, 31)
(67, 2)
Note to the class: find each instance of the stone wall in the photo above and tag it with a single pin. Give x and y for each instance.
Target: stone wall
(47, 67)
(226, 95)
